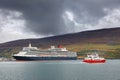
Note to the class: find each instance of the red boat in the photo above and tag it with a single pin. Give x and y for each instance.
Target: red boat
(94, 58)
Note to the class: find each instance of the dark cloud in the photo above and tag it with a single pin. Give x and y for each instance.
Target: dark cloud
(93, 9)
(42, 16)
(45, 16)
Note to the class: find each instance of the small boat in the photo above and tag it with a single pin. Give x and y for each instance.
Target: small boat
(94, 58)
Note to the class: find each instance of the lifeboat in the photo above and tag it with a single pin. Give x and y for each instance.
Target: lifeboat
(94, 58)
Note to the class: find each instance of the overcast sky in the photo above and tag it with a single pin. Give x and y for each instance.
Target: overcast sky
(21, 19)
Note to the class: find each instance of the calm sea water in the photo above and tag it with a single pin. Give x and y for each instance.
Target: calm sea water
(60, 70)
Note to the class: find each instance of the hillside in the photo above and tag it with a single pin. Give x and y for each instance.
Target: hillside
(103, 40)
(103, 36)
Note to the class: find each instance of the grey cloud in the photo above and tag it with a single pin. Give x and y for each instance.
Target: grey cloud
(42, 16)
(45, 16)
(93, 9)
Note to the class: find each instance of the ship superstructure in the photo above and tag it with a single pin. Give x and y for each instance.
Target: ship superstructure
(53, 53)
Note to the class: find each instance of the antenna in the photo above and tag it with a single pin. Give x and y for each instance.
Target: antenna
(30, 45)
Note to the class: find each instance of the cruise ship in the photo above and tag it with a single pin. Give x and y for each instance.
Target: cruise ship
(33, 53)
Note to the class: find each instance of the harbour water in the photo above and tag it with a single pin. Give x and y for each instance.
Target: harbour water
(59, 70)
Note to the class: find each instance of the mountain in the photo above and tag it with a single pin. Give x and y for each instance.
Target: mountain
(106, 41)
(102, 36)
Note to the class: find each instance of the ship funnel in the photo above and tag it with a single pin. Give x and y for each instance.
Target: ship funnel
(59, 46)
